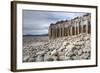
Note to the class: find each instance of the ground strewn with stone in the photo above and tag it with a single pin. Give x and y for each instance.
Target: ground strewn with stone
(77, 47)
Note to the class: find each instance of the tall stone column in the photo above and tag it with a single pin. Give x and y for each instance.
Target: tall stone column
(49, 33)
(52, 32)
(67, 30)
(72, 27)
(59, 31)
(89, 24)
(55, 32)
(71, 30)
(63, 30)
(82, 28)
(78, 27)
(82, 25)
(75, 27)
(87, 27)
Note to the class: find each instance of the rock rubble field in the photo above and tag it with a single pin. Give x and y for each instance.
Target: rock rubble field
(77, 47)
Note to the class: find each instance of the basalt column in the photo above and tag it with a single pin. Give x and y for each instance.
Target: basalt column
(81, 27)
(72, 30)
(52, 31)
(49, 32)
(70, 27)
(75, 28)
(89, 27)
(63, 29)
(78, 23)
(66, 32)
(89, 23)
(55, 31)
(59, 30)
(71, 33)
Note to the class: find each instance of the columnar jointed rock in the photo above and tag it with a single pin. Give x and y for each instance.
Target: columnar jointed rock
(70, 27)
(74, 42)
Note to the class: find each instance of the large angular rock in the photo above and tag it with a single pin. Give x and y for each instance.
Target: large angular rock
(39, 58)
(40, 52)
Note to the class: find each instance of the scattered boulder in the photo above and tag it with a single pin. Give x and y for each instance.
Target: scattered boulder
(63, 48)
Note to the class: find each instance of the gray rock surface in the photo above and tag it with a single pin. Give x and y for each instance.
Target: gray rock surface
(65, 48)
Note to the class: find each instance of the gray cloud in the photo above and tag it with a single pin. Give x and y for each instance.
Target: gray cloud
(37, 22)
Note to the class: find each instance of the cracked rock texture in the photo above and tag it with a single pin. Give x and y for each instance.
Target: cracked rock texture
(39, 49)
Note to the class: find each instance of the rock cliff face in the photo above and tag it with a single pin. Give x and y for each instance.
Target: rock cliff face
(70, 27)
(75, 47)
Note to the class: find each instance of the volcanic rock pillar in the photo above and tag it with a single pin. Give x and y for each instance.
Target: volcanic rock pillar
(75, 28)
(71, 30)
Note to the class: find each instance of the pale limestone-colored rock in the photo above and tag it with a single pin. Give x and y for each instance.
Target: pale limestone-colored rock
(39, 58)
(50, 58)
(61, 58)
(70, 46)
(76, 57)
(25, 58)
(79, 43)
(40, 53)
(60, 49)
(85, 55)
(67, 58)
(54, 58)
(80, 52)
(68, 53)
(53, 52)
(32, 60)
(46, 57)
(61, 53)
(75, 52)
(86, 49)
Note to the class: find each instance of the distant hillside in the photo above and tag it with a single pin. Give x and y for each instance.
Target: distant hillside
(36, 35)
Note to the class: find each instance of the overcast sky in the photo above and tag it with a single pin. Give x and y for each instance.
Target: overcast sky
(37, 22)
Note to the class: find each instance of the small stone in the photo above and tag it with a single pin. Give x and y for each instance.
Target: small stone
(40, 52)
(25, 58)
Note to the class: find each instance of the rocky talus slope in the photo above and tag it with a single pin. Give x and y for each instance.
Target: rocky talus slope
(76, 47)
